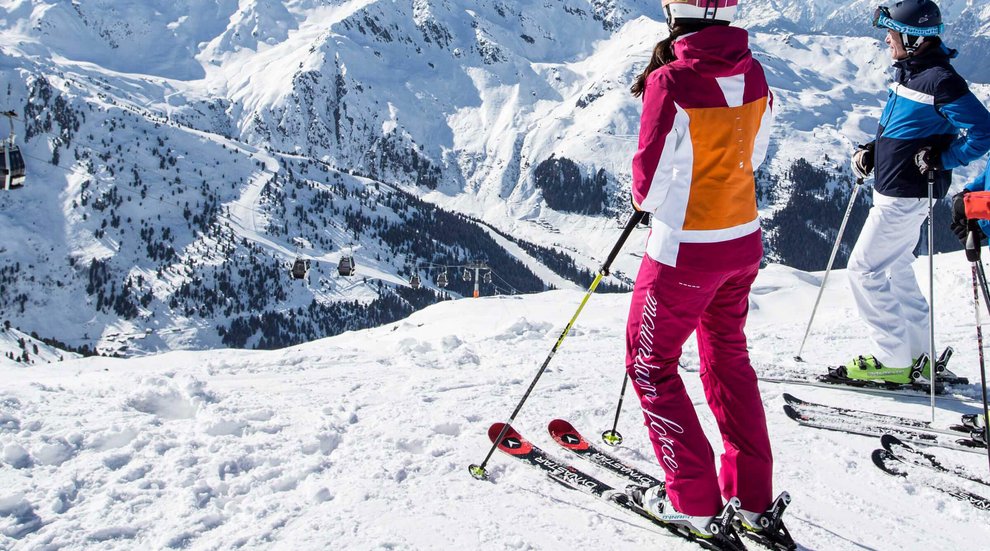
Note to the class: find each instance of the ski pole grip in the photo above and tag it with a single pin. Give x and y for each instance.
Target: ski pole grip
(630, 226)
(972, 247)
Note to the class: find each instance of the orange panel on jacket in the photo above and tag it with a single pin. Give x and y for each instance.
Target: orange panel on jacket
(977, 205)
(722, 185)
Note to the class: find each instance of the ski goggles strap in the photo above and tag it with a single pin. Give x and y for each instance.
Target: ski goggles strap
(882, 20)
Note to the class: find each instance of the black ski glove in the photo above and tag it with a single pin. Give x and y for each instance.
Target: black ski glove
(961, 226)
(927, 160)
(863, 160)
(645, 220)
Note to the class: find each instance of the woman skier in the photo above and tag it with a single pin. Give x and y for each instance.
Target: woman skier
(704, 129)
(928, 107)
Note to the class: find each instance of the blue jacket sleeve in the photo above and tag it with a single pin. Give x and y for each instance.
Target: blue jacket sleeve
(966, 113)
(980, 183)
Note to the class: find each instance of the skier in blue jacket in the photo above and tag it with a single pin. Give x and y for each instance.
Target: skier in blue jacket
(931, 122)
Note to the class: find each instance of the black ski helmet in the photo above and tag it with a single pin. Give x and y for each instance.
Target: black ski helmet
(913, 19)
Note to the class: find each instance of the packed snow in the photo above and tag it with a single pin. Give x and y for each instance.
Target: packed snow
(362, 441)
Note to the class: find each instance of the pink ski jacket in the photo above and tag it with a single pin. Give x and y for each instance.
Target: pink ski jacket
(705, 128)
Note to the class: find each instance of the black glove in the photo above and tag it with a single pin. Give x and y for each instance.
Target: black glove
(961, 226)
(862, 161)
(645, 220)
(927, 160)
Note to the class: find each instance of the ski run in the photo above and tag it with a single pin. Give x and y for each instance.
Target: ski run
(362, 441)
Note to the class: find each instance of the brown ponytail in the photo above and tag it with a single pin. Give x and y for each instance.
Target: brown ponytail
(663, 53)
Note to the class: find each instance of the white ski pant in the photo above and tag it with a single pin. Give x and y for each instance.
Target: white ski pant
(883, 282)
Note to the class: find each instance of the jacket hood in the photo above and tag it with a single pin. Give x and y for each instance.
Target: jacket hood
(716, 51)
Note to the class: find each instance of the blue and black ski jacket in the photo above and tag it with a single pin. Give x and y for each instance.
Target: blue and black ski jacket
(929, 104)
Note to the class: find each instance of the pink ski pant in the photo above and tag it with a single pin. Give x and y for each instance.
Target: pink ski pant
(668, 304)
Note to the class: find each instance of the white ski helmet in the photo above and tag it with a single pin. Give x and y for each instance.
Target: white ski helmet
(719, 12)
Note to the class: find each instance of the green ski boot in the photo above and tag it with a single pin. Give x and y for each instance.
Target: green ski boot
(868, 368)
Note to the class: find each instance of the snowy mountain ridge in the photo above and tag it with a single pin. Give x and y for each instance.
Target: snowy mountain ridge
(184, 153)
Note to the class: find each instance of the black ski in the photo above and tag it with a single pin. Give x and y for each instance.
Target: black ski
(853, 425)
(893, 465)
(869, 416)
(724, 536)
(567, 436)
(772, 532)
(959, 386)
(908, 454)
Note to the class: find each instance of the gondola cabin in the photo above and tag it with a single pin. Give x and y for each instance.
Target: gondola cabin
(442, 280)
(415, 282)
(466, 275)
(346, 267)
(487, 278)
(300, 268)
(12, 168)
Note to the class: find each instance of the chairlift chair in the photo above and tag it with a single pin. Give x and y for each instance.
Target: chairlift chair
(346, 267)
(414, 282)
(12, 168)
(466, 275)
(300, 268)
(487, 278)
(442, 280)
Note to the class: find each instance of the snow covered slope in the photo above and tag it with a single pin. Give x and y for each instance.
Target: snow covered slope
(362, 441)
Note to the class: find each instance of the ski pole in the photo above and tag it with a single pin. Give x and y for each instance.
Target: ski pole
(831, 260)
(973, 255)
(479, 471)
(613, 437)
(931, 287)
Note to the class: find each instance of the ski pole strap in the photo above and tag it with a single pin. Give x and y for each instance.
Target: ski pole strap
(630, 226)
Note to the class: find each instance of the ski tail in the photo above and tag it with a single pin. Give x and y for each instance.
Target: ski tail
(888, 463)
(893, 465)
(908, 454)
(854, 424)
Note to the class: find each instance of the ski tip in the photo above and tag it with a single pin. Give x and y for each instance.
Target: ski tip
(560, 426)
(508, 440)
(495, 431)
(791, 399)
(889, 441)
(882, 459)
(565, 435)
(791, 412)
